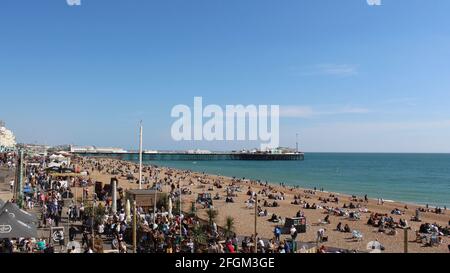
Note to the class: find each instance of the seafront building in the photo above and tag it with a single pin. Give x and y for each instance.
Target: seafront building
(7, 138)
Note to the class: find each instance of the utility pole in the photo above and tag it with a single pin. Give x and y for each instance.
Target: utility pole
(140, 156)
(256, 223)
(154, 202)
(134, 227)
(19, 180)
(68, 223)
(296, 142)
(93, 224)
(181, 220)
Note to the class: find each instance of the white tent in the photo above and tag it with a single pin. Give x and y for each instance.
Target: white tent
(54, 164)
(57, 157)
(374, 247)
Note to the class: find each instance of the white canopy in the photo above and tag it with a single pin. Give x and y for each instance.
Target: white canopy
(54, 164)
(57, 157)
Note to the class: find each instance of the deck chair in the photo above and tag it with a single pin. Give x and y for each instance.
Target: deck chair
(356, 235)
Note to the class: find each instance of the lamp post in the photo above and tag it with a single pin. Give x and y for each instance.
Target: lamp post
(140, 156)
(19, 180)
(181, 220)
(154, 202)
(134, 227)
(93, 224)
(256, 223)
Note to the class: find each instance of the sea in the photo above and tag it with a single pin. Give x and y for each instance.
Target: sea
(411, 178)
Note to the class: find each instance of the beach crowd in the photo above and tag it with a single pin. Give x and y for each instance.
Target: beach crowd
(62, 193)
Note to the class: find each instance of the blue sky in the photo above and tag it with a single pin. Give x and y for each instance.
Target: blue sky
(348, 76)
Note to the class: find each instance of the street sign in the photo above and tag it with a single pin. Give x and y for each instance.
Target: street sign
(57, 234)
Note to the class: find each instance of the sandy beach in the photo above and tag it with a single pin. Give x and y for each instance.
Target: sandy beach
(244, 217)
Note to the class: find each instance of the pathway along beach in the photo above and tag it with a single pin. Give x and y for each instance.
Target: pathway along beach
(100, 169)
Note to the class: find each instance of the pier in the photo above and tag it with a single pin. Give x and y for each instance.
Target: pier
(134, 156)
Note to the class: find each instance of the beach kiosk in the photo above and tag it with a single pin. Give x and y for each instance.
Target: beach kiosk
(298, 222)
(144, 198)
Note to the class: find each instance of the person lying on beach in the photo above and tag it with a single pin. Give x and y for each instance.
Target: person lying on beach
(364, 210)
(396, 212)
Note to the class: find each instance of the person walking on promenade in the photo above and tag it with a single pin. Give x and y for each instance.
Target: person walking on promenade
(277, 233)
